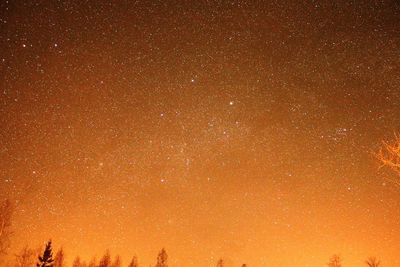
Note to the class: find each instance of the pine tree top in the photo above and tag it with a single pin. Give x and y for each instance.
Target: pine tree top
(46, 260)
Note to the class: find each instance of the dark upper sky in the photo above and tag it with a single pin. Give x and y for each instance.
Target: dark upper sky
(235, 129)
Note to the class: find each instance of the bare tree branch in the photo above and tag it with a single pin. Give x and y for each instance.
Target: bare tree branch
(389, 156)
(373, 262)
(335, 261)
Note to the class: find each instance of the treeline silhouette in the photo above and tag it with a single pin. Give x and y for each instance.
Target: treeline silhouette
(46, 259)
(28, 257)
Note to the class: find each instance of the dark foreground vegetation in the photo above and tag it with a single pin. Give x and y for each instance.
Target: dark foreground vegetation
(28, 257)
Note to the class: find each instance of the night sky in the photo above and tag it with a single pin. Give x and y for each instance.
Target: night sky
(235, 129)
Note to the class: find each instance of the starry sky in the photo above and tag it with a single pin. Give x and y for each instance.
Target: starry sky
(234, 129)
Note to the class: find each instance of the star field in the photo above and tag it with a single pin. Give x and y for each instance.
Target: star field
(234, 129)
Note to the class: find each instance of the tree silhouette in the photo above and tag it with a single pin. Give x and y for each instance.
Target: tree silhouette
(26, 258)
(335, 261)
(389, 156)
(244, 265)
(77, 262)
(105, 261)
(6, 211)
(372, 262)
(59, 258)
(134, 262)
(162, 259)
(46, 260)
(220, 263)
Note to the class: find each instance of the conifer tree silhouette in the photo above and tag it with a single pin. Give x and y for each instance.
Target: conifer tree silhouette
(59, 258)
(134, 262)
(46, 260)
(77, 262)
(162, 259)
(105, 261)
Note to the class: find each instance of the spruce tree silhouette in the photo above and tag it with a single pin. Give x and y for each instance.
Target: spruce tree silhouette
(59, 258)
(46, 260)
(134, 262)
(105, 261)
(162, 259)
(76, 262)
